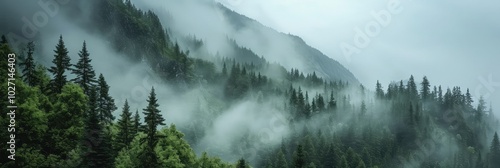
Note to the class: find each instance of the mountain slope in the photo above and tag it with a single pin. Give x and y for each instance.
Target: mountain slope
(312, 59)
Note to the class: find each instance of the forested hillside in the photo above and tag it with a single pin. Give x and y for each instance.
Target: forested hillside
(249, 112)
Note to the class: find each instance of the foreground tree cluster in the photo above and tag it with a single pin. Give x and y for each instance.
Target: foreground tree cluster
(71, 124)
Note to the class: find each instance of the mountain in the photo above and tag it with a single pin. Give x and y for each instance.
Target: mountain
(312, 59)
(219, 27)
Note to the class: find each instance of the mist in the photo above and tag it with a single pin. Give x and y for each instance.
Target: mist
(452, 43)
(254, 124)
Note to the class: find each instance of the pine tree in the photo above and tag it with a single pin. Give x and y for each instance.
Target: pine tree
(224, 70)
(4, 40)
(97, 147)
(242, 164)
(440, 95)
(343, 163)
(85, 75)
(106, 104)
(379, 91)
(332, 104)
(125, 126)
(281, 160)
(468, 100)
(152, 119)
(363, 108)
(61, 64)
(29, 74)
(299, 157)
(495, 152)
(320, 103)
(412, 88)
(481, 109)
(137, 123)
(425, 90)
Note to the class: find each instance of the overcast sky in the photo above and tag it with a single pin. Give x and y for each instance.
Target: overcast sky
(452, 42)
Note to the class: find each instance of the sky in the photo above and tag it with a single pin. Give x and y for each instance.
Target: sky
(453, 43)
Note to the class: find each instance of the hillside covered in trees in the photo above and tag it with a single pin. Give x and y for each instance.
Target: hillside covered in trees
(247, 111)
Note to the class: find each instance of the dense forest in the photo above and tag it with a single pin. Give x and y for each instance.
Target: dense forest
(68, 118)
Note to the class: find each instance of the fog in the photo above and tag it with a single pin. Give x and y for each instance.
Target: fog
(205, 20)
(451, 42)
(387, 59)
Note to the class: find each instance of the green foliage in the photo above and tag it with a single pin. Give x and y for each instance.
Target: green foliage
(299, 157)
(97, 148)
(29, 70)
(66, 121)
(61, 64)
(495, 152)
(105, 103)
(125, 126)
(85, 75)
(152, 119)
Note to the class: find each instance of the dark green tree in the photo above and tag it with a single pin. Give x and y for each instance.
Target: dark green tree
(299, 157)
(137, 123)
(242, 164)
(224, 70)
(105, 103)
(61, 64)
(468, 101)
(426, 89)
(4, 40)
(280, 160)
(85, 75)
(481, 109)
(29, 67)
(125, 126)
(97, 150)
(495, 152)
(379, 90)
(332, 104)
(152, 119)
(440, 95)
(343, 163)
(412, 88)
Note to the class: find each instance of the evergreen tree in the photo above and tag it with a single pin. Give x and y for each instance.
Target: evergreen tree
(61, 64)
(343, 163)
(425, 90)
(152, 119)
(379, 91)
(29, 70)
(495, 152)
(224, 70)
(468, 100)
(105, 103)
(85, 75)
(280, 160)
(332, 104)
(125, 126)
(242, 164)
(363, 108)
(320, 103)
(137, 123)
(97, 148)
(440, 95)
(4, 40)
(299, 157)
(481, 109)
(412, 88)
